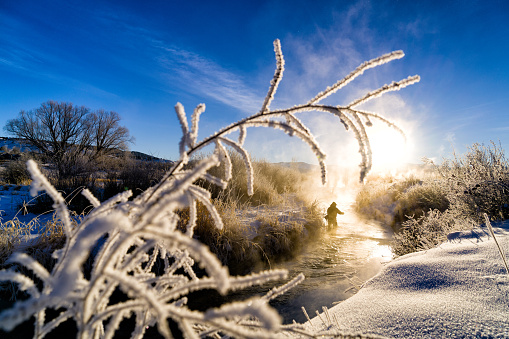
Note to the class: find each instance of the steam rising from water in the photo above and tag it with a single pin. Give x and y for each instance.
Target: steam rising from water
(339, 263)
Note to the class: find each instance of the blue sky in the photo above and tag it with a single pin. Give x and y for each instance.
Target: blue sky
(139, 58)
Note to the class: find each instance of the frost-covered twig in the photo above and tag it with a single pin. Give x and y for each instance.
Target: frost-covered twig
(312, 105)
(490, 228)
(358, 71)
(394, 86)
(278, 75)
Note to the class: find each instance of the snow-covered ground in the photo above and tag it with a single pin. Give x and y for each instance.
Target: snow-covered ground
(457, 290)
(12, 200)
(16, 144)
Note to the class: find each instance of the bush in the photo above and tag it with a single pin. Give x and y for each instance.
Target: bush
(16, 173)
(418, 199)
(428, 231)
(134, 175)
(478, 182)
(392, 200)
(112, 177)
(71, 189)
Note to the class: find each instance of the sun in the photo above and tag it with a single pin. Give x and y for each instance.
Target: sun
(390, 150)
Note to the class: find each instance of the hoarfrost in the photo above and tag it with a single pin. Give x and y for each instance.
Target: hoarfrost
(136, 234)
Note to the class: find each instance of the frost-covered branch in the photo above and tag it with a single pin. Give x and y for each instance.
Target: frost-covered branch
(357, 72)
(295, 124)
(394, 86)
(278, 75)
(137, 246)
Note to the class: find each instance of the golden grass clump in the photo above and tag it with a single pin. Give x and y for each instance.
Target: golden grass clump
(271, 182)
(273, 236)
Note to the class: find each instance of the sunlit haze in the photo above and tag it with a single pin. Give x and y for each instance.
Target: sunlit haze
(390, 148)
(141, 58)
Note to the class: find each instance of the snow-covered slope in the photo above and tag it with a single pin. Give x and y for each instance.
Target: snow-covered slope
(457, 290)
(16, 144)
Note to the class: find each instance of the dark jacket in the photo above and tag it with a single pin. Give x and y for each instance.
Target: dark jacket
(333, 211)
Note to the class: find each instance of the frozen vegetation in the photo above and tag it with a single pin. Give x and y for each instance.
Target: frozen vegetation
(130, 261)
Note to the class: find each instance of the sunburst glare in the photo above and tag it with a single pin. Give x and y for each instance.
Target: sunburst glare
(390, 150)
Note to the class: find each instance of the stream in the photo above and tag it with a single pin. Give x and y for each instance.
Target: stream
(336, 265)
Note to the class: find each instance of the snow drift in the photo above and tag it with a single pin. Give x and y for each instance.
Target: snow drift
(457, 290)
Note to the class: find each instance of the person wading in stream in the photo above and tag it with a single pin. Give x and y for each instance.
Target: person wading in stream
(332, 212)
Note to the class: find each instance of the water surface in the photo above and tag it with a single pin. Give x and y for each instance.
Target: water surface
(336, 265)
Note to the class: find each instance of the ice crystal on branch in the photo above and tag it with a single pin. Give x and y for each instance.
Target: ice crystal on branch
(126, 239)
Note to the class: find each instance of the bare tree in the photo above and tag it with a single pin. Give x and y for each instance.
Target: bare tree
(69, 135)
(107, 134)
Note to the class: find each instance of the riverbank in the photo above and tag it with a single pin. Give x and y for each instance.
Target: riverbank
(457, 290)
(335, 266)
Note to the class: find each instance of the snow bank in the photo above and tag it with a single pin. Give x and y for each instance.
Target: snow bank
(457, 290)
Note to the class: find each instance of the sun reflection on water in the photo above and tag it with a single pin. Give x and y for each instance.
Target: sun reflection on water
(382, 251)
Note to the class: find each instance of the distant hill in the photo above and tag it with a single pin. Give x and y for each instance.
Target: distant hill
(305, 167)
(299, 165)
(15, 145)
(146, 157)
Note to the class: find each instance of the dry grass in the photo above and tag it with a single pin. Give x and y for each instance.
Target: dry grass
(230, 244)
(234, 245)
(277, 190)
(16, 236)
(19, 236)
(391, 200)
(243, 248)
(271, 182)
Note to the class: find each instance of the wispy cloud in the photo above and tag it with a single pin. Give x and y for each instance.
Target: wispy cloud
(182, 69)
(503, 128)
(21, 51)
(202, 76)
(13, 50)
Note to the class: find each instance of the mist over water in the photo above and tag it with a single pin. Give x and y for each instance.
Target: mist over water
(337, 264)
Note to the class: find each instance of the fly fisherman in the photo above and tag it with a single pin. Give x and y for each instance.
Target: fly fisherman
(332, 212)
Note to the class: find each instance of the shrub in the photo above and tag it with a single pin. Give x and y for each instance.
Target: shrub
(16, 173)
(390, 200)
(418, 199)
(71, 189)
(134, 175)
(428, 231)
(120, 174)
(458, 194)
(478, 182)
